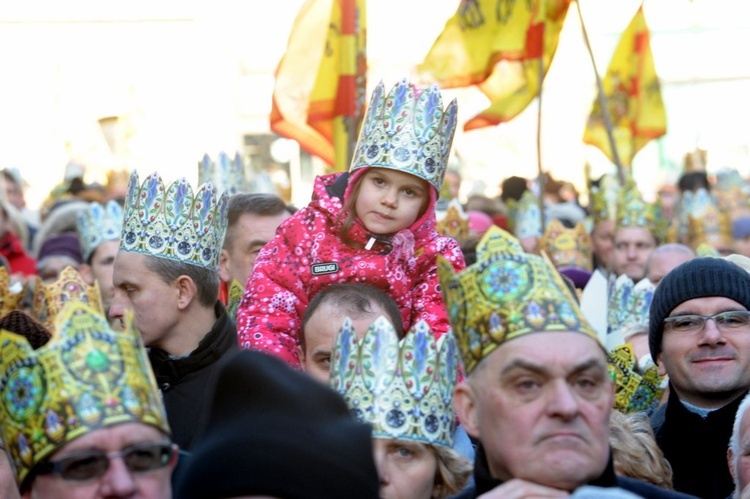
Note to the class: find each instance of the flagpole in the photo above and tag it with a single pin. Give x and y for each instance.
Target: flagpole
(602, 101)
(540, 170)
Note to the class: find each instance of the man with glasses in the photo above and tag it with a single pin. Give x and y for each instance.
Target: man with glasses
(81, 416)
(699, 335)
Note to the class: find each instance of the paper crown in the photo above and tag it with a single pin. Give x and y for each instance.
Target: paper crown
(9, 301)
(633, 211)
(568, 247)
(98, 224)
(50, 299)
(634, 391)
(234, 298)
(453, 222)
(506, 294)
(173, 223)
(603, 199)
(706, 223)
(628, 309)
(407, 130)
(226, 174)
(87, 377)
(404, 389)
(526, 216)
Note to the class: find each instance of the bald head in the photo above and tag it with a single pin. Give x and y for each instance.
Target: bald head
(666, 257)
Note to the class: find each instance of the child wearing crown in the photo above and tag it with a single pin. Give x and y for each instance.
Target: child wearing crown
(374, 224)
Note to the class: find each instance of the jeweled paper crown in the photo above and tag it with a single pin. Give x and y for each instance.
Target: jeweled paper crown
(404, 389)
(50, 299)
(567, 247)
(234, 298)
(506, 294)
(453, 222)
(634, 391)
(633, 211)
(98, 224)
(407, 130)
(87, 377)
(628, 309)
(226, 174)
(706, 223)
(9, 301)
(603, 199)
(526, 216)
(173, 223)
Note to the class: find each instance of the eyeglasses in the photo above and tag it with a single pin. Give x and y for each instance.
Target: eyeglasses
(90, 464)
(725, 321)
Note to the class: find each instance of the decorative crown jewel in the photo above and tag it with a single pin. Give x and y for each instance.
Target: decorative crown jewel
(404, 389)
(226, 174)
(453, 222)
(9, 300)
(633, 211)
(50, 299)
(628, 309)
(705, 222)
(87, 377)
(526, 216)
(634, 391)
(603, 199)
(98, 224)
(233, 300)
(173, 223)
(407, 130)
(506, 294)
(567, 247)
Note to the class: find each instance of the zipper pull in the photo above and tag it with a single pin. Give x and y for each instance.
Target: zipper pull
(370, 243)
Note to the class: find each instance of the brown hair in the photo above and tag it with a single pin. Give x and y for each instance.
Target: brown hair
(634, 449)
(452, 473)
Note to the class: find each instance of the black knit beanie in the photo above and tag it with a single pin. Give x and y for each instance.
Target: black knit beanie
(273, 431)
(696, 278)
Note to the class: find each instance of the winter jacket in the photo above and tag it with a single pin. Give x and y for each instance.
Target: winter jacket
(19, 262)
(307, 254)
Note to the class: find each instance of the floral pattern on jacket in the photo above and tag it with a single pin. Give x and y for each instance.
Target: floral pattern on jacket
(283, 281)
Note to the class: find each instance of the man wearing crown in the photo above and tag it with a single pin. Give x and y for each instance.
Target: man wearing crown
(166, 273)
(537, 394)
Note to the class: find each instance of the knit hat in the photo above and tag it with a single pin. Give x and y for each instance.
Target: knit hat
(64, 244)
(696, 278)
(275, 431)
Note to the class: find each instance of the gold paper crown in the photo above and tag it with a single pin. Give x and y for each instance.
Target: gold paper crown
(50, 299)
(10, 300)
(706, 223)
(634, 391)
(526, 216)
(567, 247)
(506, 294)
(603, 199)
(87, 377)
(633, 211)
(404, 389)
(453, 222)
(407, 130)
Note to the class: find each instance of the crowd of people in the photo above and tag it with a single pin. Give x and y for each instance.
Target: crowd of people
(387, 340)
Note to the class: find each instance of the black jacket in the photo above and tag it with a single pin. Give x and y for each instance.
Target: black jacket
(186, 382)
(483, 482)
(696, 447)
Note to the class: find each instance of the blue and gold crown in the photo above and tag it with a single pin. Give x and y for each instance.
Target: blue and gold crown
(49, 300)
(567, 248)
(635, 391)
(226, 174)
(87, 377)
(633, 211)
(173, 223)
(603, 199)
(506, 294)
(706, 223)
(407, 130)
(628, 309)
(404, 389)
(453, 222)
(98, 224)
(526, 216)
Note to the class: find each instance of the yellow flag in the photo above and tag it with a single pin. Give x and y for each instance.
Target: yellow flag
(497, 46)
(322, 109)
(631, 85)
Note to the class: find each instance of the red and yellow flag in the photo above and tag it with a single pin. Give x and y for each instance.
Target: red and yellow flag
(631, 85)
(497, 46)
(322, 108)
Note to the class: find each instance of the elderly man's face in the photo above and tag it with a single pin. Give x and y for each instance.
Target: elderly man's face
(740, 465)
(118, 480)
(632, 247)
(662, 263)
(540, 405)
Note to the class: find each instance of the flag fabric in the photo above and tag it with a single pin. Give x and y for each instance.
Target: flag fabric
(634, 100)
(322, 108)
(497, 46)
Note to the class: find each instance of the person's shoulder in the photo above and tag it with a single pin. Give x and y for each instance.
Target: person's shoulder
(648, 490)
(658, 416)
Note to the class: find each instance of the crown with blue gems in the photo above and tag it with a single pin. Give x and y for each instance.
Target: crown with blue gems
(453, 222)
(50, 299)
(526, 216)
(635, 391)
(507, 293)
(98, 224)
(225, 173)
(173, 222)
(407, 130)
(603, 198)
(404, 389)
(85, 378)
(628, 308)
(9, 300)
(633, 211)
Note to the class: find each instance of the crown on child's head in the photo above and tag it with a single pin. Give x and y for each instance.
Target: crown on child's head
(404, 389)
(628, 308)
(173, 223)
(225, 173)
(50, 299)
(507, 293)
(98, 224)
(86, 378)
(407, 130)
(9, 300)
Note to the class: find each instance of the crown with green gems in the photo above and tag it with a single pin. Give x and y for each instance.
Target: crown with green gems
(173, 222)
(407, 130)
(85, 378)
(603, 198)
(635, 391)
(507, 293)
(404, 389)
(633, 211)
(98, 224)
(225, 173)
(628, 308)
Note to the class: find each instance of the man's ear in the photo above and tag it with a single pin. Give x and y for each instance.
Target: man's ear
(660, 365)
(86, 273)
(730, 463)
(186, 291)
(224, 266)
(301, 356)
(464, 401)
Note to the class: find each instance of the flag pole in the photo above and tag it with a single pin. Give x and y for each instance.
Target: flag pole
(602, 101)
(542, 179)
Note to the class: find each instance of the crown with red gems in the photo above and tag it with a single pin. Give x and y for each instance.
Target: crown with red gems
(50, 299)
(225, 173)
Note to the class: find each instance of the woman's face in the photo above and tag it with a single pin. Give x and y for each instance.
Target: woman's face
(406, 469)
